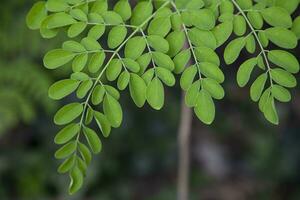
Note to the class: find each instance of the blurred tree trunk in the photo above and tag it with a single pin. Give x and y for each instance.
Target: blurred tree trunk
(184, 132)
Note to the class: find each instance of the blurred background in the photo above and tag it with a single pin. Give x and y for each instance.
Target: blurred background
(239, 157)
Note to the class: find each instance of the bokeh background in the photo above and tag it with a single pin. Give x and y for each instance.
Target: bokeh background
(239, 157)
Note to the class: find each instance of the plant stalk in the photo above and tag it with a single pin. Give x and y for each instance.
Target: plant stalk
(184, 133)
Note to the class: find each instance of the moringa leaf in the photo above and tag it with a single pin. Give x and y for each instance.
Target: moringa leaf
(62, 88)
(68, 113)
(155, 94)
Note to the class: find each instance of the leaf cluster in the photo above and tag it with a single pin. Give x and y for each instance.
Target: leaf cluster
(143, 47)
(19, 96)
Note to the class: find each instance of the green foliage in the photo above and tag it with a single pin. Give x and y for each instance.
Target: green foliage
(19, 95)
(277, 16)
(141, 48)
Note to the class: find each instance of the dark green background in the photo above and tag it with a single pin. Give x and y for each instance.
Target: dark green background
(240, 156)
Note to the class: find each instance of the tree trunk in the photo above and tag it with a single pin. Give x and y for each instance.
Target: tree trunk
(184, 151)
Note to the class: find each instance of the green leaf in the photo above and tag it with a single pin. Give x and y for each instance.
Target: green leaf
(113, 111)
(296, 27)
(276, 16)
(222, 32)
(60, 20)
(166, 76)
(261, 62)
(135, 47)
(210, 70)
(227, 17)
(90, 44)
(78, 14)
(112, 18)
(95, 18)
(79, 62)
(181, 60)
(160, 26)
(283, 78)
(203, 19)
(176, 22)
(66, 150)
(79, 76)
(96, 32)
(89, 116)
(270, 111)
(84, 88)
(81, 165)
(148, 76)
(255, 19)
(112, 91)
(226, 7)
(244, 4)
(76, 29)
(68, 113)
(263, 38)
(123, 8)
(202, 38)
(114, 69)
(36, 15)
(85, 153)
(66, 165)
(205, 54)
(144, 62)
(194, 4)
(155, 94)
(116, 36)
(239, 25)
(96, 62)
(188, 77)
(233, 50)
(67, 133)
(98, 94)
(56, 5)
(290, 5)
(282, 37)
(137, 89)
(99, 6)
(245, 71)
(214, 88)
(257, 87)
(250, 44)
(76, 180)
(163, 60)
(73, 46)
(93, 140)
(131, 65)
(205, 108)
(57, 57)
(281, 94)
(142, 11)
(103, 123)
(158, 43)
(62, 88)
(45, 32)
(285, 60)
(263, 99)
(123, 80)
(192, 94)
(191, 4)
(176, 41)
